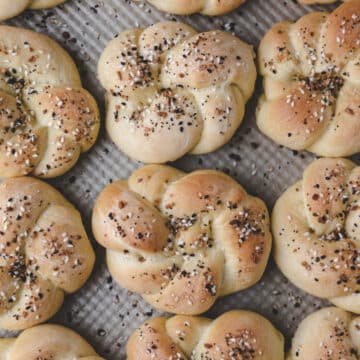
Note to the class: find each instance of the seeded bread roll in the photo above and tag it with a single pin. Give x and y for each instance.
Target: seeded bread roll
(205, 7)
(316, 229)
(46, 118)
(171, 91)
(329, 333)
(234, 335)
(11, 8)
(311, 72)
(182, 240)
(44, 252)
(46, 342)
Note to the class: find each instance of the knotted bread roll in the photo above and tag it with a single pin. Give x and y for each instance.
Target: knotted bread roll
(311, 72)
(329, 333)
(47, 342)
(182, 240)
(46, 118)
(316, 228)
(236, 334)
(187, 7)
(11, 8)
(171, 91)
(44, 252)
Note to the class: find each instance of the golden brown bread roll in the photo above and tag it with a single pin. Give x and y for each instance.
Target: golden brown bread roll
(171, 91)
(311, 72)
(46, 342)
(44, 252)
(46, 118)
(236, 334)
(10, 8)
(316, 230)
(182, 240)
(187, 7)
(329, 333)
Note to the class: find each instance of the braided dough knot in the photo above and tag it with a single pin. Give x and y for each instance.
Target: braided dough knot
(317, 232)
(46, 118)
(234, 335)
(47, 342)
(206, 7)
(180, 240)
(44, 252)
(171, 91)
(338, 336)
(311, 72)
(11, 8)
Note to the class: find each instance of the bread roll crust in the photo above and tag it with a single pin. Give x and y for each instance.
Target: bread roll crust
(316, 232)
(235, 334)
(9, 9)
(337, 336)
(311, 82)
(205, 7)
(46, 118)
(172, 91)
(45, 252)
(47, 342)
(182, 240)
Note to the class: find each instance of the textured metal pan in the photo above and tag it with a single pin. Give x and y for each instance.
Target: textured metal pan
(102, 311)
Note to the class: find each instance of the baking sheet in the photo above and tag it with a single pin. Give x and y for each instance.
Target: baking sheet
(103, 312)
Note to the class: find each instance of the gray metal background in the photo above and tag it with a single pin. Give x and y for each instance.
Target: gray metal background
(103, 312)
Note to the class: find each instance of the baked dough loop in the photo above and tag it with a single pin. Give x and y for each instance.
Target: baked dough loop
(329, 333)
(47, 342)
(11, 8)
(44, 252)
(316, 229)
(205, 7)
(171, 91)
(46, 118)
(311, 72)
(236, 334)
(182, 240)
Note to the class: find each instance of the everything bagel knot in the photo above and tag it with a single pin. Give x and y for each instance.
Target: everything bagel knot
(317, 233)
(337, 336)
(171, 91)
(46, 118)
(311, 72)
(44, 252)
(234, 335)
(11, 8)
(182, 240)
(46, 342)
(205, 7)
